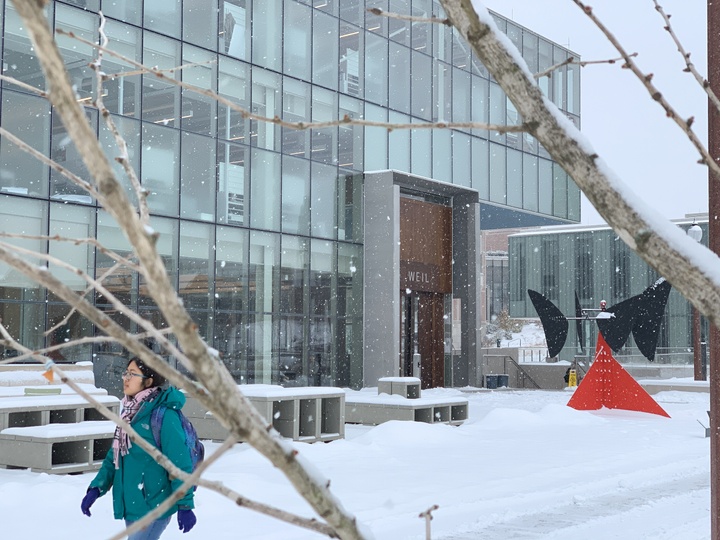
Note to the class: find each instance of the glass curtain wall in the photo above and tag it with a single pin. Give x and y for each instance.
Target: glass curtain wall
(260, 225)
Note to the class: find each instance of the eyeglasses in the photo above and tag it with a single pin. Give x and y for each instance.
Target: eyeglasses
(129, 375)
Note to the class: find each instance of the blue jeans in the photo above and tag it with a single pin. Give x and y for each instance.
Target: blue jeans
(152, 531)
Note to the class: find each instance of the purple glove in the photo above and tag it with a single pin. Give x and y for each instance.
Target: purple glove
(186, 520)
(88, 500)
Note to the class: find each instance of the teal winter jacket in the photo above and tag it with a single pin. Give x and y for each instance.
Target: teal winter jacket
(139, 484)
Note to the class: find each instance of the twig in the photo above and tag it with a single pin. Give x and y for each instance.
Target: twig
(581, 63)
(655, 94)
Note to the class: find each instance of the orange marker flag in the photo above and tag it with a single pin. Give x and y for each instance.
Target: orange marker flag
(607, 384)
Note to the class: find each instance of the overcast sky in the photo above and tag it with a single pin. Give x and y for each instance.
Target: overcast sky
(629, 131)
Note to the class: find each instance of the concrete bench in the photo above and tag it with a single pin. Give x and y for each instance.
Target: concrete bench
(57, 448)
(368, 409)
(407, 387)
(308, 414)
(30, 411)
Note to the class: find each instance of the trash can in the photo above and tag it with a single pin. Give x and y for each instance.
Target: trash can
(503, 380)
(491, 381)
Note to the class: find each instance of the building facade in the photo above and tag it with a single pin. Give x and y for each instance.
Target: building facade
(263, 228)
(594, 263)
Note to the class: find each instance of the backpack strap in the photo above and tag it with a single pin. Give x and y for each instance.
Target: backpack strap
(156, 421)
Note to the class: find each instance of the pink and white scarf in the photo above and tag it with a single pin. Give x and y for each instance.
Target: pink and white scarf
(130, 407)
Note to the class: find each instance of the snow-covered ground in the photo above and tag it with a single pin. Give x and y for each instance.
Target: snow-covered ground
(523, 466)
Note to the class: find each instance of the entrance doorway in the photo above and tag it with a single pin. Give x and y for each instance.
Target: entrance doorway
(422, 337)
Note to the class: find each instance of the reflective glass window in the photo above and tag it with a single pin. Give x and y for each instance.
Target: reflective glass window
(351, 62)
(267, 35)
(296, 108)
(77, 55)
(129, 11)
(498, 174)
(197, 262)
(514, 178)
(481, 167)
(573, 88)
(64, 152)
(233, 85)
(120, 280)
(461, 159)
(167, 248)
(545, 181)
(28, 118)
(163, 16)
(350, 207)
(200, 22)
(350, 138)
(72, 221)
(263, 348)
(161, 99)
(480, 108)
(295, 263)
(352, 11)
(530, 182)
(265, 190)
(263, 272)
(399, 143)
(235, 30)
(399, 83)
(530, 51)
(122, 94)
(199, 112)
(442, 155)
(325, 50)
(460, 50)
(266, 102)
(323, 191)
(558, 78)
(498, 112)
(442, 100)
(399, 29)
(421, 152)
(231, 268)
(376, 68)
(376, 152)
(350, 293)
(420, 31)
(161, 168)
(19, 60)
(295, 195)
(324, 141)
(197, 177)
(376, 23)
(296, 40)
(545, 61)
(129, 130)
(421, 88)
(26, 217)
(461, 96)
(321, 277)
(560, 191)
(573, 200)
(233, 167)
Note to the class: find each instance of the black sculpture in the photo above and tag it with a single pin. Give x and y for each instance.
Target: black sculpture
(639, 314)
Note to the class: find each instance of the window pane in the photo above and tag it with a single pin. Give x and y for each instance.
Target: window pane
(197, 259)
(296, 195)
(480, 111)
(530, 182)
(161, 99)
(376, 68)
(498, 174)
(420, 33)
(234, 86)
(296, 108)
(27, 117)
(19, 60)
(399, 142)
(560, 189)
(122, 93)
(233, 181)
(64, 152)
(376, 138)
(199, 112)
(200, 22)
(350, 138)
(514, 178)
(351, 60)
(267, 35)
(28, 217)
(167, 248)
(197, 177)
(71, 221)
(399, 77)
(263, 271)
(325, 50)
(442, 155)
(231, 270)
(546, 187)
(161, 168)
(130, 131)
(321, 264)
(324, 141)
(398, 29)
(129, 11)
(350, 293)
(481, 168)
(235, 29)
(421, 85)
(265, 190)
(296, 40)
(293, 274)
(421, 152)
(77, 55)
(322, 207)
(265, 102)
(461, 159)
(350, 207)
(163, 16)
(442, 106)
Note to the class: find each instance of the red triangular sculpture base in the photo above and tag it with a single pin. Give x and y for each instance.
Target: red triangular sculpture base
(607, 384)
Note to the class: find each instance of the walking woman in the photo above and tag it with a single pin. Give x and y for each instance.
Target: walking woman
(138, 482)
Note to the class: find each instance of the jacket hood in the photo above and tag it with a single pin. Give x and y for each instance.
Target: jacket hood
(170, 397)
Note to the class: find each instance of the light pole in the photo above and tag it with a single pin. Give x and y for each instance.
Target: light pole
(695, 232)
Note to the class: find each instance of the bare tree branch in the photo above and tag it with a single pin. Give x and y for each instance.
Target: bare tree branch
(571, 60)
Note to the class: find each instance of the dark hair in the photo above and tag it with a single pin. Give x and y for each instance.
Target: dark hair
(148, 372)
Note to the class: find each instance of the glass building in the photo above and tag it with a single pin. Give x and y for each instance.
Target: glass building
(594, 263)
(264, 229)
